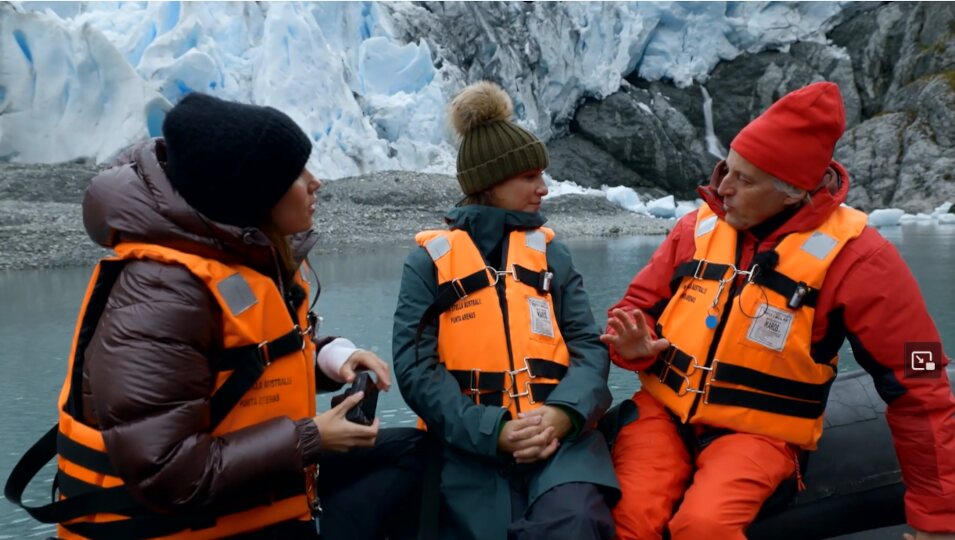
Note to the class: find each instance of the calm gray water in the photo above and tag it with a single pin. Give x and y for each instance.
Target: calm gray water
(38, 311)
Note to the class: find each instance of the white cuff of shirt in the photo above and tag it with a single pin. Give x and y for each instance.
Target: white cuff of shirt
(333, 356)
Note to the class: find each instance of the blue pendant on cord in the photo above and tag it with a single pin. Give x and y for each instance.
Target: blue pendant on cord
(711, 321)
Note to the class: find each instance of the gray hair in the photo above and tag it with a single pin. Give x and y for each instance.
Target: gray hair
(792, 191)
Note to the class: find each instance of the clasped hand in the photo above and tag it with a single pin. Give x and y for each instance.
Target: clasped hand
(535, 435)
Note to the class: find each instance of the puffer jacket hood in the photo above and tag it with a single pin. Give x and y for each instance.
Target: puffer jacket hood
(133, 200)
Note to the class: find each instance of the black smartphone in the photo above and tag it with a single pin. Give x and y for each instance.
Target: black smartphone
(364, 412)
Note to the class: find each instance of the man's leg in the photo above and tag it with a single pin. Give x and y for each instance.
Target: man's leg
(572, 511)
(653, 467)
(364, 490)
(735, 475)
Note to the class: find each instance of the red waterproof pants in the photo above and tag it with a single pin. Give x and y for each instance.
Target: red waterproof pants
(723, 487)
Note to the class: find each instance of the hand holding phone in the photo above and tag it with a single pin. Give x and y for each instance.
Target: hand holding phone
(364, 412)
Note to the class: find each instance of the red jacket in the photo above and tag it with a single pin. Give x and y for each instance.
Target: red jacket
(870, 297)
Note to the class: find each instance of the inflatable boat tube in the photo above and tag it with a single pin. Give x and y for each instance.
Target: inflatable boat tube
(853, 481)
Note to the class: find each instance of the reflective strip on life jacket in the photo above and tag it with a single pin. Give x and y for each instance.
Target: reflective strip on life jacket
(497, 331)
(759, 377)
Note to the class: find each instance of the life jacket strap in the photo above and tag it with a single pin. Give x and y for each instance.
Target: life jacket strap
(763, 392)
(143, 523)
(115, 500)
(700, 269)
(489, 387)
(797, 293)
(540, 280)
(448, 294)
(247, 364)
(83, 455)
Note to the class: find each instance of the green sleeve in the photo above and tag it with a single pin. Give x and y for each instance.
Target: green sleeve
(583, 389)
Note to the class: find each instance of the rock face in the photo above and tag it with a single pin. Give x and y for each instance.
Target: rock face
(648, 135)
(894, 64)
(747, 86)
(903, 154)
(576, 159)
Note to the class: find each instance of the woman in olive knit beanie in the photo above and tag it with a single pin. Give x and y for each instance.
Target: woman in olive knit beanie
(496, 349)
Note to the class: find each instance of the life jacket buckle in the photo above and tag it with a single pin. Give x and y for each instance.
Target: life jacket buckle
(526, 368)
(314, 323)
(546, 279)
(795, 300)
(264, 353)
(473, 382)
(665, 371)
(304, 334)
(686, 389)
(525, 393)
(500, 273)
(698, 273)
(459, 288)
(695, 366)
(512, 272)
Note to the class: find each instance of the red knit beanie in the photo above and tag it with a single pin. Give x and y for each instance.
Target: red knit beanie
(795, 138)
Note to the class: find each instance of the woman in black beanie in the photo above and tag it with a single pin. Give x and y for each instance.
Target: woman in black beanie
(189, 405)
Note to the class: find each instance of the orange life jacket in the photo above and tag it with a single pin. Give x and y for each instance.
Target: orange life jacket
(266, 371)
(760, 377)
(497, 330)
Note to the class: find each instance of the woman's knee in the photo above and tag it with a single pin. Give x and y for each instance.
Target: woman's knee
(575, 510)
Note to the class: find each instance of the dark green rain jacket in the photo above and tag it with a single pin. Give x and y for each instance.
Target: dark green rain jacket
(474, 476)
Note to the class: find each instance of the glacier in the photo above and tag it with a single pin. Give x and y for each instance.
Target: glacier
(367, 81)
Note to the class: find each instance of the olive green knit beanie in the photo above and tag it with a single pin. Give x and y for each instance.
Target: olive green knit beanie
(493, 148)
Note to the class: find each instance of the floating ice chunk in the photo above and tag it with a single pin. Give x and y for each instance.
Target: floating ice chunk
(664, 207)
(885, 217)
(942, 209)
(946, 219)
(556, 189)
(627, 198)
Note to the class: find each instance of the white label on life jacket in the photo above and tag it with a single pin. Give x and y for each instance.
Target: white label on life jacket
(772, 328)
(540, 317)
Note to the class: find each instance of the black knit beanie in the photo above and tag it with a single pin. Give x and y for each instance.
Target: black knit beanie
(230, 161)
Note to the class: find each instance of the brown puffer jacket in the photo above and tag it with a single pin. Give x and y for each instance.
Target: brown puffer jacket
(149, 369)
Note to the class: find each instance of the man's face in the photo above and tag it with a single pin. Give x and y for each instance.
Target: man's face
(749, 196)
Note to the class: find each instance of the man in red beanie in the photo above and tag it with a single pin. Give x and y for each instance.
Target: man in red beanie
(734, 327)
